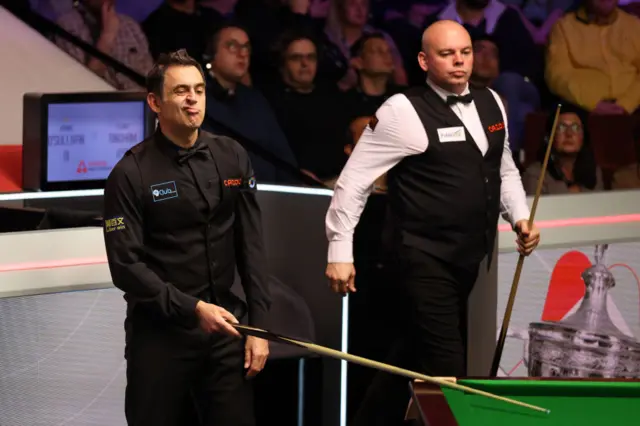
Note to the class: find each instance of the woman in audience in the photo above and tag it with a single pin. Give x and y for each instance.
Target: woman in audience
(347, 22)
(572, 166)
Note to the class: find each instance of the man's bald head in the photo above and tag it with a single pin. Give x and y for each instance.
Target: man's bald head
(442, 32)
(447, 54)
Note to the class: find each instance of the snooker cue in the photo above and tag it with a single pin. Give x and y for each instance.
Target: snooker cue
(322, 350)
(497, 355)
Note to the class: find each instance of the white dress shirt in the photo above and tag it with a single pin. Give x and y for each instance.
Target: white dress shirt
(400, 133)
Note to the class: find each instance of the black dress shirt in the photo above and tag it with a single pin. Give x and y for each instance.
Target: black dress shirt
(178, 222)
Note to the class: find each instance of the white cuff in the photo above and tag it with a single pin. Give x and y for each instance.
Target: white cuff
(519, 213)
(340, 252)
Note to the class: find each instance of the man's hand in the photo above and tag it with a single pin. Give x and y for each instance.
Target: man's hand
(110, 20)
(528, 239)
(256, 352)
(216, 319)
(342, 277)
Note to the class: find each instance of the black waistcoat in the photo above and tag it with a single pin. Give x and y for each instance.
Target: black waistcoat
(446, 201)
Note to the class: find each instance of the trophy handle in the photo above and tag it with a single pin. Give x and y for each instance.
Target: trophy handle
(525, 354)
(520, 334)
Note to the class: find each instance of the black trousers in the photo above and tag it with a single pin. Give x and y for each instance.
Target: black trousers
(431, 336)
(171, 371)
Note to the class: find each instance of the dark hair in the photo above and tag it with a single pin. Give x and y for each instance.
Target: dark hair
(484, 37)
(585, 167)
(155, 77)
(284, 40)
(358, 46)
(214, 38)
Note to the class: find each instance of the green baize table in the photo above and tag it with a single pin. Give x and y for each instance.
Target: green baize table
(573, 402)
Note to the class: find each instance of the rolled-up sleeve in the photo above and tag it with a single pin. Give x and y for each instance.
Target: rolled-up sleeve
(513, 199)
(393, 133)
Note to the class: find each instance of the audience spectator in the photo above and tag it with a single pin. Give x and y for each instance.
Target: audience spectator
(373, 63)
(224, 8)
(182, 24)
(627, 177)
(539, 18)
(572, 166)
(519, 95)
(96, 22)
(242, 112)
(266, 20)
(404, 22)
(309, 112)
(593, 60)
(632, 7)
(346, 23)
(486, 62)
(50, 9)
(480, 17)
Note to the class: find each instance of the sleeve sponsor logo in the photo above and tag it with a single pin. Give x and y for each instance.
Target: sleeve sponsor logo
(114, 224)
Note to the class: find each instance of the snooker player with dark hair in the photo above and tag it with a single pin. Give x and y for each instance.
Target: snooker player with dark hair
(180, 214)
(444, 146)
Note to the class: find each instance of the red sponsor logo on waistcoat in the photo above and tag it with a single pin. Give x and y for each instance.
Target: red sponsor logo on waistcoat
(496, 127)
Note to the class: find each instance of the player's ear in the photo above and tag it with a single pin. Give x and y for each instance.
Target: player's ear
(154, 102)
(422, 61)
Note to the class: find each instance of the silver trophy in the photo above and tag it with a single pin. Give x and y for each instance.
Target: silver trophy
(587, 343)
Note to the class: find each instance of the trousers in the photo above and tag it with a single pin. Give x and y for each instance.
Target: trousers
(431, 337)
(184, 377)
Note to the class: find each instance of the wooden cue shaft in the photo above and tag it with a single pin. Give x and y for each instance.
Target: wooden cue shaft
(516, 277)
(407, 373)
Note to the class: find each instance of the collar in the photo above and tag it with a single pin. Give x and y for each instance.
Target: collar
(586, 18)
(170, 148)
(492, 13)
(444, 93)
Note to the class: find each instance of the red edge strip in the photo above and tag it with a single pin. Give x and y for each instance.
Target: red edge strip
(51, 264)
(542, 224)
(581, 221)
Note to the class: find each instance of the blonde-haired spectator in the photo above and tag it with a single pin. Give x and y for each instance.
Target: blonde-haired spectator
(346, 23)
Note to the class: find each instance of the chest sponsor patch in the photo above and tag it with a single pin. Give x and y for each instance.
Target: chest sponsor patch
(451, 134)
(164, 191)
(496, 127)
(232, 183)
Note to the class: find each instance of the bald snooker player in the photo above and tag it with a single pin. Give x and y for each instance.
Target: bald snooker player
(445, 149)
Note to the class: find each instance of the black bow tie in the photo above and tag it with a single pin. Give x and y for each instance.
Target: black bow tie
(198, 149)
(466, 99)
